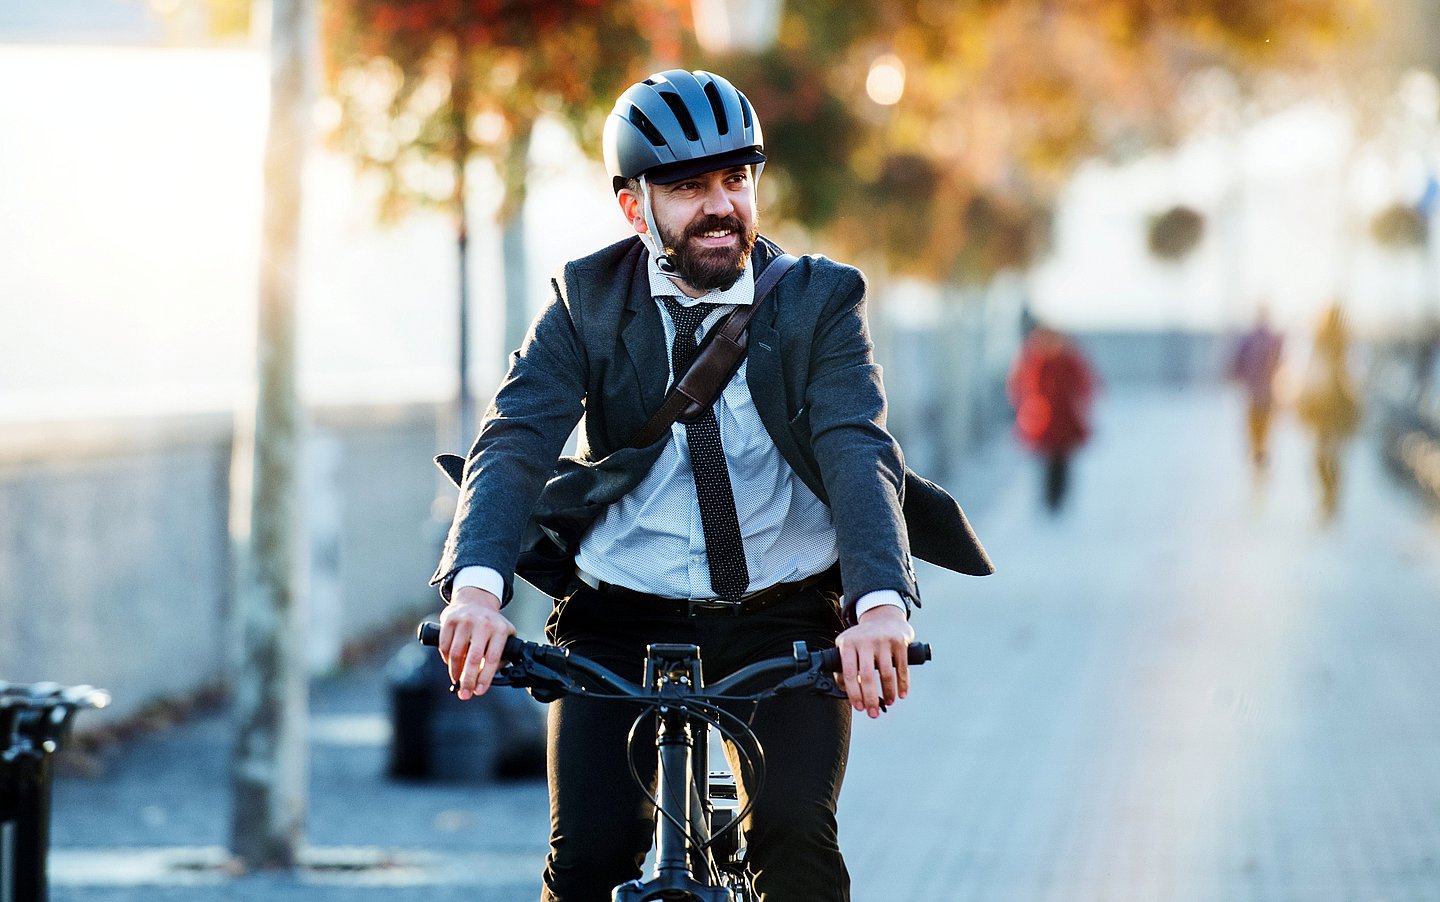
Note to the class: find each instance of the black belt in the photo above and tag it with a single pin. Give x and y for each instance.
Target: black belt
(695, 607)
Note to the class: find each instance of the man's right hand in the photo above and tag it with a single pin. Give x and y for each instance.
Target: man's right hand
(472, 636)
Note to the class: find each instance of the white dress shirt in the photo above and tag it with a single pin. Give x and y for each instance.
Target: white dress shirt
(652, 541)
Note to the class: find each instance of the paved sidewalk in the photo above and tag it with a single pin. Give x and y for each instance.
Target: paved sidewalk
(1181, 690)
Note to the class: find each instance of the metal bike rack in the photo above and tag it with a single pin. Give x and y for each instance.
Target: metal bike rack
(35, 720)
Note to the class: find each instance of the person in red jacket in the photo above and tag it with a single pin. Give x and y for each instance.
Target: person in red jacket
(1051, 386)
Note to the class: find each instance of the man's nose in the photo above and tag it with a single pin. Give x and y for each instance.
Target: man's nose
(717, 201)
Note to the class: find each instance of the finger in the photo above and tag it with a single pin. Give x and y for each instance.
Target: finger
(493, 651)
(902, 671)
(474, 661)
(447, 635)
(870, 684)
(850, 676)
(458, 653)
(455, 652)
(885, 667)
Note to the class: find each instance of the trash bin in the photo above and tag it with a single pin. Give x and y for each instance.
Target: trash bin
(435, 736)
(34, 721)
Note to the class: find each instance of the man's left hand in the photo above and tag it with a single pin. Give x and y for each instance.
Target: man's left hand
(872, 655)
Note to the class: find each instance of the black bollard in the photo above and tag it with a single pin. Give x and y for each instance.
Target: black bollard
(35, 720)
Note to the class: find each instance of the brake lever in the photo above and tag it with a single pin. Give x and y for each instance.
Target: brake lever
(819, 682)
(545, 683)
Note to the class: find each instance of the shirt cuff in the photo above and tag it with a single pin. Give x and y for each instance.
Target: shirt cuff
(487, 578)
(867, 602)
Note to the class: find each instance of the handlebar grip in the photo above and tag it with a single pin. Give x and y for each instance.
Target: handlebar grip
(917, 653)
(428, 633)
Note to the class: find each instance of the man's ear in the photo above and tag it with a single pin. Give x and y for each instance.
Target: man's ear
(630, 206)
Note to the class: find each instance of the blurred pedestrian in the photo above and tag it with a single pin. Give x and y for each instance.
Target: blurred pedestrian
(1426, 349)
(1253, 365)
(1051, 386)
(1330, 405)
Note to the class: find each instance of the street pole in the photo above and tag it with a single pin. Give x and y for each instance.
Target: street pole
(269, 766)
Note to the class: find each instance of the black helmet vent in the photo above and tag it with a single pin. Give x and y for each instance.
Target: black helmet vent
(646, 127)
(687, 123)
(745, 109)
(716, 107)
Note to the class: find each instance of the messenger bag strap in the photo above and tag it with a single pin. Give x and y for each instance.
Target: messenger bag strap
(715, 363)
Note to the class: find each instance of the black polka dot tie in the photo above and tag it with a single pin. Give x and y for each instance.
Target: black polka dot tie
(725, 550)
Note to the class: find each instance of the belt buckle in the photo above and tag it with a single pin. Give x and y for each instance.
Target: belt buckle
(697, 606)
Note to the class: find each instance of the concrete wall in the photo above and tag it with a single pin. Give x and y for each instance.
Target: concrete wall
(115, 564)
(114, 560)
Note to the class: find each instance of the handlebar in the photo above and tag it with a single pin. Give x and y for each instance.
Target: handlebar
(549, 668)
(51, 695)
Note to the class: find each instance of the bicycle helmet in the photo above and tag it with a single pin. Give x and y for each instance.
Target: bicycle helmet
(676, 124)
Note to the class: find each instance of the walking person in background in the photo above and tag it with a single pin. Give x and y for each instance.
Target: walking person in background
(1253, 365)
(1426, 349)
(1051, 387)
(1330, 406)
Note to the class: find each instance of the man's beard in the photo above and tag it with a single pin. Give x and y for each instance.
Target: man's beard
(707, 268)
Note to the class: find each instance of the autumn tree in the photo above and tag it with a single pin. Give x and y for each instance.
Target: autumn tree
(426, 87)
(939, 132)
(994, 101)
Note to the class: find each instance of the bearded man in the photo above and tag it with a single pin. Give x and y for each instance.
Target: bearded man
(779, 515)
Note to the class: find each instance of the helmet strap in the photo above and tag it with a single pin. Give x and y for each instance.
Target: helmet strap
(663, 256)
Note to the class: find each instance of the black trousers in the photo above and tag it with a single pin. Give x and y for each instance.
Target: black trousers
(601, 824)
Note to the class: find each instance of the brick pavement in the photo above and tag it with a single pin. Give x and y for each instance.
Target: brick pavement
(1182, 690)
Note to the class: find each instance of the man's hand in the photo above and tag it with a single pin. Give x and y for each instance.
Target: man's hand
(472, 637)
(876, 647)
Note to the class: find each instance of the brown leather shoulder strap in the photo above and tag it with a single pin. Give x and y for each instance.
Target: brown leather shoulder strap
(715, 362)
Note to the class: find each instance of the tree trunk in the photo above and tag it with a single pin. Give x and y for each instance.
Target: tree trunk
(460, 100)
(269, 764)
(464, 398)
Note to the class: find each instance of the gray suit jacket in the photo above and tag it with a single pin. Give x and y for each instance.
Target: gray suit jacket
(596, 355)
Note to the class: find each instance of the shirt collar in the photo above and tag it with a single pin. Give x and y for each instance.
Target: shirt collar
(742, 292)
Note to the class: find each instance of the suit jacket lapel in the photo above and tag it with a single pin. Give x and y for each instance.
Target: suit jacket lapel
(644, 338)
(765, 375)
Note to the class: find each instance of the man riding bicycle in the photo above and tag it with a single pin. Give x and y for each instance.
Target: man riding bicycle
(784, 512)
